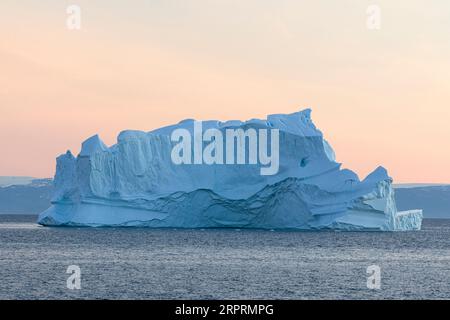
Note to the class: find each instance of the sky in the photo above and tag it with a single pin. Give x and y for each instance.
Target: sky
(381, 96)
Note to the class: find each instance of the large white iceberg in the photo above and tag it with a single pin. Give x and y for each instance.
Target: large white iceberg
(136, 183)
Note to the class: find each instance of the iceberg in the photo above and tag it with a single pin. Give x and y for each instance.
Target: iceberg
(136, 183)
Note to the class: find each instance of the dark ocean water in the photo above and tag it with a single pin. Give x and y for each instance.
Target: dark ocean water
(121, 263)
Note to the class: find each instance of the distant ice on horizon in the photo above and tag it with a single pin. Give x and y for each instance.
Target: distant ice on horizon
(6, 181)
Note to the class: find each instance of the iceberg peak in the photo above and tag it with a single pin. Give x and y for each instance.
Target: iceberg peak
(92, 145)
(380, 173)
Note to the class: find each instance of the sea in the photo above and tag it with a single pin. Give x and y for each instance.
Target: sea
(39, 262)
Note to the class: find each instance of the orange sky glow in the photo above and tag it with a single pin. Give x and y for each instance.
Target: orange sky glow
(381, 97)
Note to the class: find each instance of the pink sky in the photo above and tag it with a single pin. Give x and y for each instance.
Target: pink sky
(380, 97)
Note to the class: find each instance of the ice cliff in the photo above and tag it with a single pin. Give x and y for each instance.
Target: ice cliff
(136, 183)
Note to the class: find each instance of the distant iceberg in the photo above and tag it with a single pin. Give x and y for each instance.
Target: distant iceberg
(136, 183)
